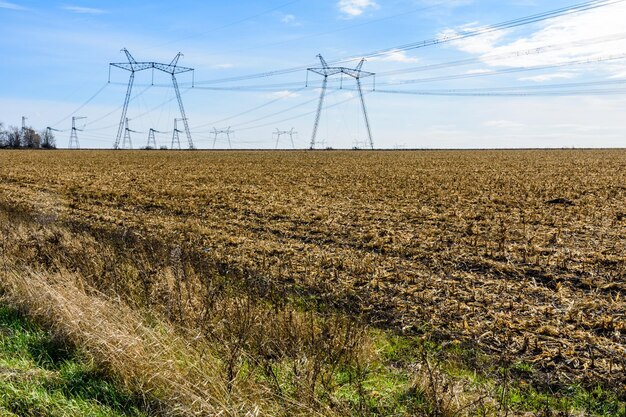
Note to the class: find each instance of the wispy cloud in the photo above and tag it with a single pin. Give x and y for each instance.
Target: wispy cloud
(290, 19)
(284, 94)
(84, 10)
(395, 55)
(503, 124)
(596, 23)
(11, 6)
(354, 8)
(549, 77)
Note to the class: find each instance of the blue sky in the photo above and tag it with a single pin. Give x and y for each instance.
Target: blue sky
(56, 56)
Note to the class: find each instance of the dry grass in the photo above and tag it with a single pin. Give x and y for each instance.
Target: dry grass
(150, 360)
(516, 254)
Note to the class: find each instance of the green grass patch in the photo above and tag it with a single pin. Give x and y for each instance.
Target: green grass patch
(512, 384)
(40, 376)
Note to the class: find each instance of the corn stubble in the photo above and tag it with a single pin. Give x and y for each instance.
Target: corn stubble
(284, 258)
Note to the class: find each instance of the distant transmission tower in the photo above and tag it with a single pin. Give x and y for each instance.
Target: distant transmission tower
(152, 139)
(127, 143)
(133, 66)
(73, 135)
(279, 133)
(175, 137)
(356, 73)
(226, 132)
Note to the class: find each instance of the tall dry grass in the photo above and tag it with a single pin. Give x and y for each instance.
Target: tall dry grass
(192, 344)
(150, 359)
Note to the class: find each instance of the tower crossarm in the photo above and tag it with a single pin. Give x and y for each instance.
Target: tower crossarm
(357, 73)
(133, 67)
(170, 69)
(327, 71)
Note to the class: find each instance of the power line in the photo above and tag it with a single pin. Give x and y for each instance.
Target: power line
(582, 7)
(89, 100)
(508, 94)
(243, 113)
(586, 6)
(533, 87)
(340, 29)
(505, 71)
(236, 22)
(277, 113)
(301, 114)
(118, 108)
(506, 55)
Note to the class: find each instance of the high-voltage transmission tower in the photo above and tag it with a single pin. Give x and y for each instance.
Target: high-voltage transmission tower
(220, 132)
(175, 136)
(152, 139)
(133, 66)
(73, 135)
(356, 73)
(278, 133)
(127, 143)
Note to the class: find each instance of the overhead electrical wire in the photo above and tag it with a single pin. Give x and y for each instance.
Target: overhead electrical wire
(508, 93)
(268, 116)
(581, 7)
(556, 90)
(340, 29)
(505, 71)
(534, 87)
(507, 55)
(586, 6)
(82, 106)
(299, 115)
(243, 113)
(236, 22)
(91, 122)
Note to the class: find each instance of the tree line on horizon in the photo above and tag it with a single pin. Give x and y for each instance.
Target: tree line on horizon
(14, 137)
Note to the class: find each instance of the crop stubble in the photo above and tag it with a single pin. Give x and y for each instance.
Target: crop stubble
(521, 253)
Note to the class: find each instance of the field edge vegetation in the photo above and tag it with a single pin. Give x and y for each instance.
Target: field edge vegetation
(71, 280)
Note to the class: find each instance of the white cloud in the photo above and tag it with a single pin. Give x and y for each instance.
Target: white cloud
(603, 22)
(483, 44)
(354, 8)
(346, 95)
(549, 77)
(83, 10)
(285, 94)
(478, 71)
(288, 18)
(10, 6)
(503, 124)
(450, 4)
(223, 66)
(395, 56)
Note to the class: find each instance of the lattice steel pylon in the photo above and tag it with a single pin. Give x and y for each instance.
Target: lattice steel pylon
(279, 133)
(327, 71)
(175, 136)
(127, 143)
(73, 135)
(220, 132)
(152, 139)
(133, 66)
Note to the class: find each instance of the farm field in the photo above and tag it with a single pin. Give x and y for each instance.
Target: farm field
(518, 257)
